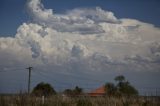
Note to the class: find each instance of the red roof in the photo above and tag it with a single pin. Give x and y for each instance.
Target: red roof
(98, 92)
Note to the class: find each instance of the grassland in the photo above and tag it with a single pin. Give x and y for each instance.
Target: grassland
(26, 100)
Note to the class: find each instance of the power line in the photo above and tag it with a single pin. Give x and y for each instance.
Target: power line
(11, 69)
(71, 75)
(47, 76)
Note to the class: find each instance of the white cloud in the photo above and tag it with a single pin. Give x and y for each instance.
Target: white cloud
(82, 39)
(81, 33)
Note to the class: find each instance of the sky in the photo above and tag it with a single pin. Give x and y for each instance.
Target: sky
(144, 10)
(79, 42)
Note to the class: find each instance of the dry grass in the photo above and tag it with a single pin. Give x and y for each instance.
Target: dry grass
(25, 100)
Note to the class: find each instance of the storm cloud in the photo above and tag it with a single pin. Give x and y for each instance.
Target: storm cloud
(82, 40)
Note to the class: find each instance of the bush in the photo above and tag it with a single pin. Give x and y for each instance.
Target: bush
(73, 92)
(123, 88)
(43, 89)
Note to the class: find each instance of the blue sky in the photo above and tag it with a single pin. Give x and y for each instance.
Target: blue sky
(13, 12)
(79, 42)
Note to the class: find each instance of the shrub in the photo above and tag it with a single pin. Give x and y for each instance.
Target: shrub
(43, 89)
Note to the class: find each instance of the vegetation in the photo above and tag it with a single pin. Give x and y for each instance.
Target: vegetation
(122, 88)
(110, 89)
(57, 100)
(43, 89)
(76, 91)
(43, 94)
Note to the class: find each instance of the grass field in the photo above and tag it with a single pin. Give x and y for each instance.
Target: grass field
(25, 100)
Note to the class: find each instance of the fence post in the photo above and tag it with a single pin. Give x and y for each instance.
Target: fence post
(42, 99)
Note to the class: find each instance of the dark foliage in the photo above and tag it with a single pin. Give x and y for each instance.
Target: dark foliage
(73, 92)
(122, 88)
(43, 89)
(127, 89)
(110, 89)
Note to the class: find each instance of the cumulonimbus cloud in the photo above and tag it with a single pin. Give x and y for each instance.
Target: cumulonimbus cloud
(90, 35)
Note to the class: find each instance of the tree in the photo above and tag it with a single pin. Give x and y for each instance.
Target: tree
(43, 89)
(77, 90)
(127, 89)
(124, 87)
(68, 92)
(120, 78)
(73, 92)
(110, 89)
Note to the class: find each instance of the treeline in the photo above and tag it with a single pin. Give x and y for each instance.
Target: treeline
(122, 87)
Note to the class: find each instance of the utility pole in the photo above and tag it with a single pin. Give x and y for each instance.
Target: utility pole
(29, 78)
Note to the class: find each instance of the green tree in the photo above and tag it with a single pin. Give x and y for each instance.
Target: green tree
(73, 92)
(43, 89)
(120, 78)
(124, 87)
(68, 92)
(77, 90)
(110, 89)
(127, 89)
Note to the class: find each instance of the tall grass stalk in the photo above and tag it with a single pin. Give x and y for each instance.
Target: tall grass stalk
(27, 100)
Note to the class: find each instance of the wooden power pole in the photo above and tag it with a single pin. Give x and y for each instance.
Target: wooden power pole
(29, 78)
